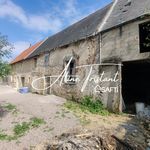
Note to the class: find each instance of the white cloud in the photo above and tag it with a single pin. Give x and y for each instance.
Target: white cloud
(70, 9)
(42, 23)
(57, 16)
(52, 21)
(9, 9)
(31, 21)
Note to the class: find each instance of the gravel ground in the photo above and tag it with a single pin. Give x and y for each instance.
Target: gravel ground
(30, 105)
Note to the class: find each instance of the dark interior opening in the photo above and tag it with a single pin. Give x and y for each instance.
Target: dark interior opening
(23, 81)
(135, 84)
(144, 34)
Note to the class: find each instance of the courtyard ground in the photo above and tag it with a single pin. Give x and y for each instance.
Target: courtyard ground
(28, 106)
(56, 119)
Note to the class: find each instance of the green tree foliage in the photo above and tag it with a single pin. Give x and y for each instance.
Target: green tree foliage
(5, 52)
(5, 69)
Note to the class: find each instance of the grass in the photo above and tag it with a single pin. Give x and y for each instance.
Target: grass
(22, 128)
(11, 108)
(88, 104)
(84, 120)
(36, 122)
(3, 136)
(61, 114)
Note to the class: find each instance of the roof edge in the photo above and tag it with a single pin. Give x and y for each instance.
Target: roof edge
(126, 22)
(35, 48)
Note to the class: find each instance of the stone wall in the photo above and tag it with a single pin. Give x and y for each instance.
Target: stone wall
(84, 52)
(20, 70)
(123, 43)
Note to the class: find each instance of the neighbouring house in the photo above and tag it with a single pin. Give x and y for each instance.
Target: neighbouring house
(115, 39)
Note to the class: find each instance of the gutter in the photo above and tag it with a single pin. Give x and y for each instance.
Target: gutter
(144, 16)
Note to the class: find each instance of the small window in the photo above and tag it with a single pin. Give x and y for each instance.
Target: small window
(46, 60)
(144, 32)
(71, 72)
(35, 62)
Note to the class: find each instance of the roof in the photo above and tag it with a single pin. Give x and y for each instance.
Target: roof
(26, 53)
(127, 10)
(80, 30)
(121, 11)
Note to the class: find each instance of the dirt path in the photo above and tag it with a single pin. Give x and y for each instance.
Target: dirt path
(28, 106)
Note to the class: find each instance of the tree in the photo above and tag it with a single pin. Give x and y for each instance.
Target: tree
(5, 52)
(4, 69)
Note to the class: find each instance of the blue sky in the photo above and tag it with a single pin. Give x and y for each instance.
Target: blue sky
(26, 22)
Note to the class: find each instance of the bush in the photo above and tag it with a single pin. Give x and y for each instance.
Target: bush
(94, 106)
(89, 104)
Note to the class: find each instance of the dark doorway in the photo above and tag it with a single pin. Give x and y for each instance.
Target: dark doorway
(135, 84)
(23, 81)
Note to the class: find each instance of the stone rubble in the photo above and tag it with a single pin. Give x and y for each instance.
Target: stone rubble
(85, 141)
(144, 118)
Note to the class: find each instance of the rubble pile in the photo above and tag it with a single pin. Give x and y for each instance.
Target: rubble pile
(144, 119)
(85, 141)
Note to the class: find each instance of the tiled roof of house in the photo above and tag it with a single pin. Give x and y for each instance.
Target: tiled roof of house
(26, 53)
(78, 31)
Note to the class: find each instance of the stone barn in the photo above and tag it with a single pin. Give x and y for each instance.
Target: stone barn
(105, 55)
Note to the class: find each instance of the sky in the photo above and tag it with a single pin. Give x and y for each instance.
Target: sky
(26, 22)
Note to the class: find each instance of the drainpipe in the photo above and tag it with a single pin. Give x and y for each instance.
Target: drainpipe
(100, 47)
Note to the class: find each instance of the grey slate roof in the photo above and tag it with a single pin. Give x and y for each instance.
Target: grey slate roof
(127, 10)
(123, 11)
(80, 30)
